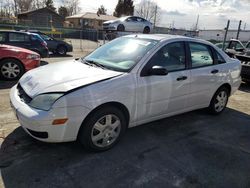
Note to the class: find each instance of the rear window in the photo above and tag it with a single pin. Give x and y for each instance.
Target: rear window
(18, 37)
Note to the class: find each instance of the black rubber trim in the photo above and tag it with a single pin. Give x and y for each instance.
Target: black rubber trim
(38, 134)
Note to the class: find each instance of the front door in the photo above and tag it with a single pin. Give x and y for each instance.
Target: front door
(161, 95)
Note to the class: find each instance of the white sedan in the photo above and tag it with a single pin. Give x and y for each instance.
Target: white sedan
(127, 82)
(129, 23)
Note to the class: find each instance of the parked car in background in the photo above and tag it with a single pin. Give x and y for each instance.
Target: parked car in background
(236, 49)
(129, 23)
(127, 82)
(55, 46)
(15, 61)
(26, 40)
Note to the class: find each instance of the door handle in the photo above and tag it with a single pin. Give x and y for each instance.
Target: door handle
(181, 78)
(214, 71)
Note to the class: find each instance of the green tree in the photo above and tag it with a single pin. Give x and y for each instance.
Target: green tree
(102, 10)
(63, 11)
(50, 4)
(124, 8)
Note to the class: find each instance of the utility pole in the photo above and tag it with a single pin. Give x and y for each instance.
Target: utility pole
(155, 15)
(245, 26)
(225, 36)
(238, 32)
(197, 22)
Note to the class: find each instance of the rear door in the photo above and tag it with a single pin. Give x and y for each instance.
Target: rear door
(159, 95)
(205, 74)
(19, 39)
(3, 37)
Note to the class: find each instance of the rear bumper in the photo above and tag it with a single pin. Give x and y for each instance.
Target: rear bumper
(44, 53)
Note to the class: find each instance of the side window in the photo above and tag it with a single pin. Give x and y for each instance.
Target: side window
(139, 19)
(172, 57)
(219, 58)
(18, 37)
(201, 55)
(2, 37)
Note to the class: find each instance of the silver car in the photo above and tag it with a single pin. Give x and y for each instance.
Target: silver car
(129, 23)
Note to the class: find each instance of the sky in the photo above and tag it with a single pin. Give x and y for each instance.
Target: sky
(213, 14)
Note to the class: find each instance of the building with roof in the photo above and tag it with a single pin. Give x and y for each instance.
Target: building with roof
(43, 17)
(89, 20)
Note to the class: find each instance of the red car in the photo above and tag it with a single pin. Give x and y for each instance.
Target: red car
(15, 61)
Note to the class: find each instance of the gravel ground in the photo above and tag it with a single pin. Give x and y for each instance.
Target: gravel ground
(189, 150)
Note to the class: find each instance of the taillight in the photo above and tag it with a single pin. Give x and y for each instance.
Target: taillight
(44, 44)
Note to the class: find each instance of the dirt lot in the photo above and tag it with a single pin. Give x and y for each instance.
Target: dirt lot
(190, 150)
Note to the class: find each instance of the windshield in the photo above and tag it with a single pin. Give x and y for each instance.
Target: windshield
(36, 37)
(121, 54)
(45, 37)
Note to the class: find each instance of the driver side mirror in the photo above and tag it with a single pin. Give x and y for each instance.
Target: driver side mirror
(158, 70)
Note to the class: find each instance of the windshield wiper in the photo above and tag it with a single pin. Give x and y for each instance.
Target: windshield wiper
(93, 63)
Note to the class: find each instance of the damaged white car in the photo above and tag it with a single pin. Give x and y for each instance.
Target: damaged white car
(129, 81)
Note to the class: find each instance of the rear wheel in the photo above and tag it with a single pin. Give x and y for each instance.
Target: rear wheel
(219, 101)
(11, 69)
(61, 50)
(146, 30)
(103, 129)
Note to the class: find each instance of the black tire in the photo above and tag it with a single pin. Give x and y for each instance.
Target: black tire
(213, 109)
(61, 50)
(11, 69)
(120, 28)
(146, 30)
(88, 132)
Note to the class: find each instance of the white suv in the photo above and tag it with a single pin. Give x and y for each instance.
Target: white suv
(127, 82)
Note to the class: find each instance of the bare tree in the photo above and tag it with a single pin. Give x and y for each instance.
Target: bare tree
(6, 8)
(72, 6)
(23, 5)
(149, 10)
(36, 4)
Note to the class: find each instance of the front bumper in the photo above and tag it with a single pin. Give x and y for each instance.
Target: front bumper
(38, 123)
(30, 64)
(110, 27)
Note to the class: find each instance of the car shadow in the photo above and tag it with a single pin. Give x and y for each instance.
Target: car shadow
(188, 150)
(7, 84)
(244, 87)
(42, 63)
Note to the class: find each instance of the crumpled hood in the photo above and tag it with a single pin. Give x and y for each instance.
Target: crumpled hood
(62, 77)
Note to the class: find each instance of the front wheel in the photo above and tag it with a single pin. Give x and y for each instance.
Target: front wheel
(120, 28)
(103, 129)
(219, 101)
(11, 69)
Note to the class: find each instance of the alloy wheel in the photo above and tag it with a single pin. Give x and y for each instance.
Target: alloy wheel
(10, 70)
(106, 130)
(221, 101)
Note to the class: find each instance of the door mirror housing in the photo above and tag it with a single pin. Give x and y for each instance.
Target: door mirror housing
(158, 70)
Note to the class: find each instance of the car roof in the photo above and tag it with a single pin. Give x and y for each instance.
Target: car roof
(165, 37)
(22, 32)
